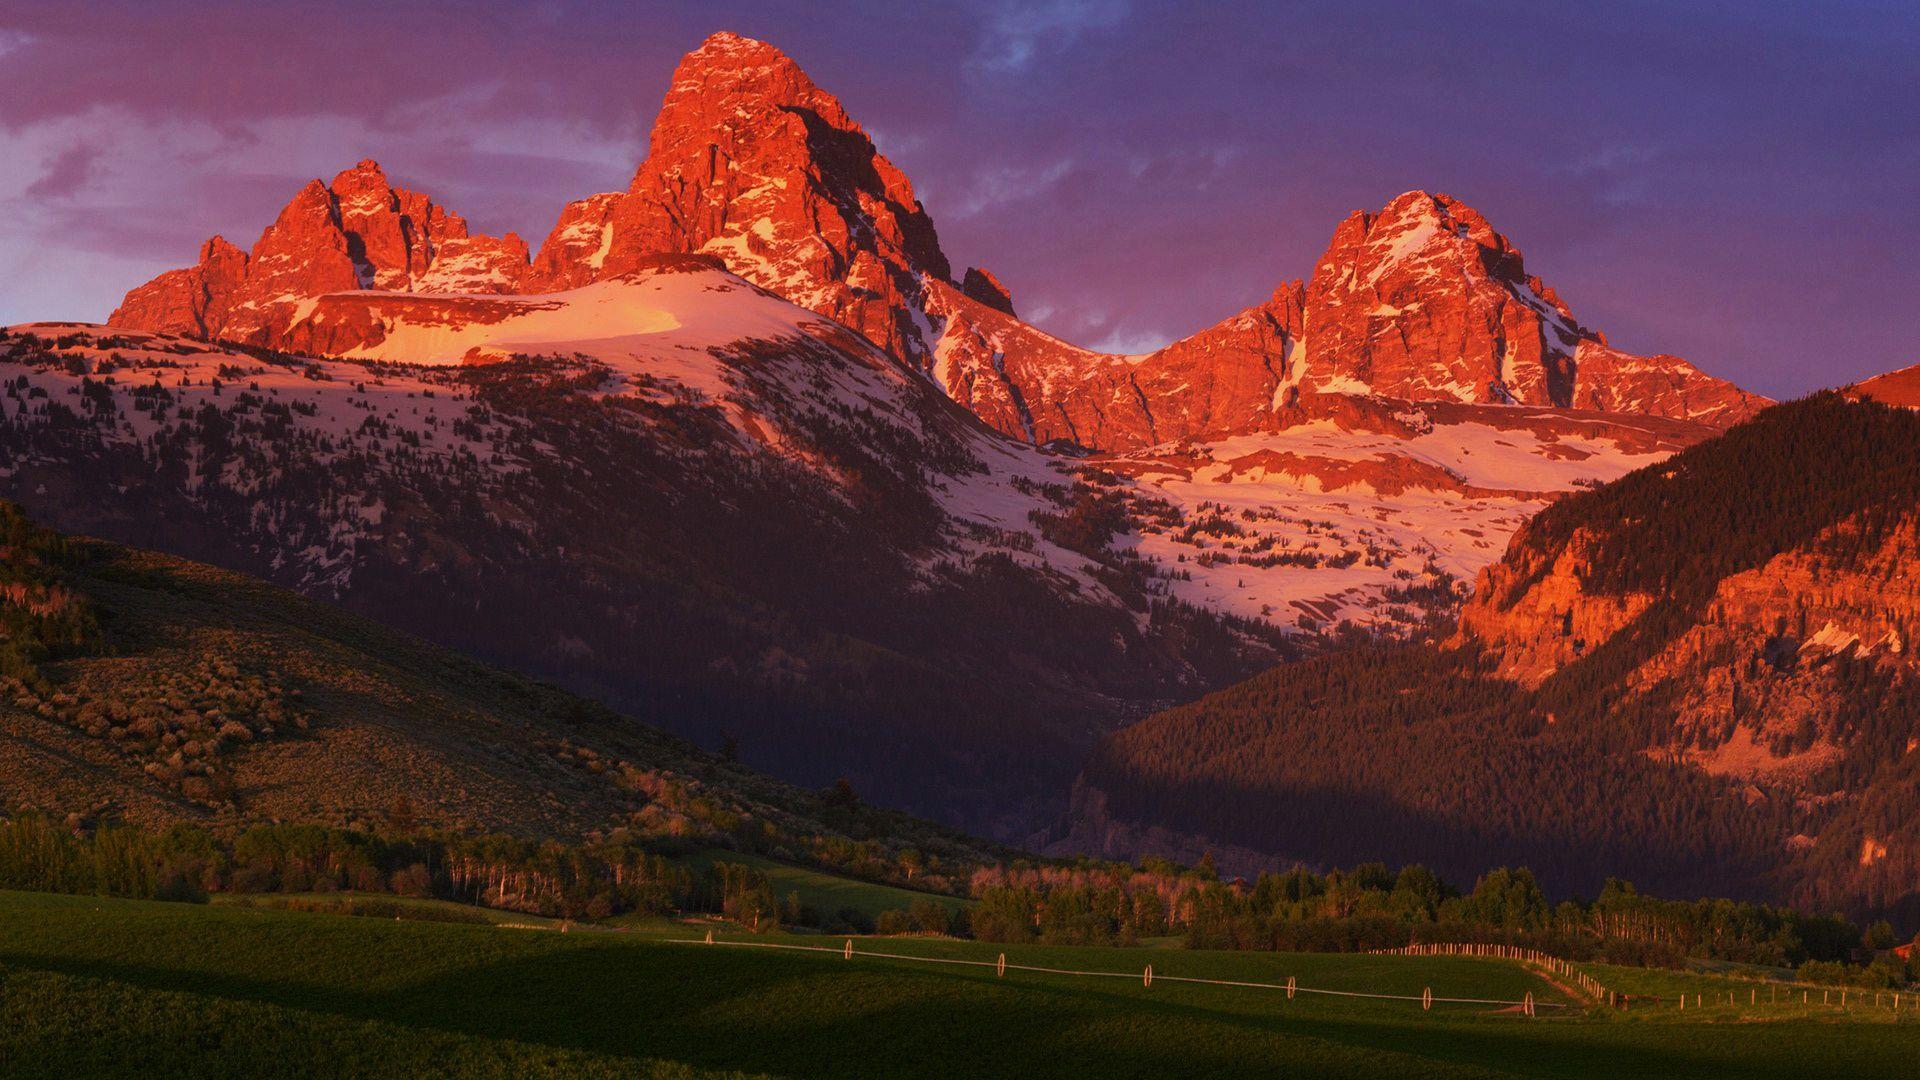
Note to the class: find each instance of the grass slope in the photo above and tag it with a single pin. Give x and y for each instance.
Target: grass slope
(381, 716)
(91, 986)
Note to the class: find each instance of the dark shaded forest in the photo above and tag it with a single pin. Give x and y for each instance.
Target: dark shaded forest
(1421, 753)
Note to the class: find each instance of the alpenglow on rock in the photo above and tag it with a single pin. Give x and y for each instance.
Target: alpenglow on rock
(359, 232)
(752, 163)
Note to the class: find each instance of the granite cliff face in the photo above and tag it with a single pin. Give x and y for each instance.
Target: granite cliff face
(749, 160)
(1424, 299)
(753, 163)
(359, 232)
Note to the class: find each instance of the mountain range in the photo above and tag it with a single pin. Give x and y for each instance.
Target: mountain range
(1348, 383)
(737, 451)
(751, 162)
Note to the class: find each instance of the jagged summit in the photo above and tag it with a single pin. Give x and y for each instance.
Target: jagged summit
(359, 232)
(1422, 300)
(1425, 300)
(751, 162)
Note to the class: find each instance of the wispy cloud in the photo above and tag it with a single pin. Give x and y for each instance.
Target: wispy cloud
(1620, 174)
(66, 173)
(1004, 184)
(1016, 32)
(1131, 342)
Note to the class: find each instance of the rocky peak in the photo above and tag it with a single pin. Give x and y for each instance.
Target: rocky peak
(1422, 300)
(1425, 300)
(392, 233)
(751, 161)
(577, 248)
(359, 232)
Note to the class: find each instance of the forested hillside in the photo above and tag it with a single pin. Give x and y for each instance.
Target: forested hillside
(1698, 677)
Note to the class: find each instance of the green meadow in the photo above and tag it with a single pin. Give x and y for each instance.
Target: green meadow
(109, 987)
(827, 893)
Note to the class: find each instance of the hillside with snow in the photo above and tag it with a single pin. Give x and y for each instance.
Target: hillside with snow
(673, 489)
(682, 492)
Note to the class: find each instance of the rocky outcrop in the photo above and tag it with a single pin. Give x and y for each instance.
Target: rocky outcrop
(194, 300)
(1720, 647)
(1533, 613)
(475, 264)
(576, 249)
(982, 287)
(359, 232)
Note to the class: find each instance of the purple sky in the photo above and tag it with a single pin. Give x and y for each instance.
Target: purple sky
(1737, 183)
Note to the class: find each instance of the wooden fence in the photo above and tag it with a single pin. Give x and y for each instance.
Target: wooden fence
(1427, 998)
(1794, 993)
(1534, 958)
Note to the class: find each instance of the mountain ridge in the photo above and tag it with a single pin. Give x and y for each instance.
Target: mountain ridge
(754, 163)
(1699, 674)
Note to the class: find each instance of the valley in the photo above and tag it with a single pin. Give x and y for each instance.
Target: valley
(415, 640)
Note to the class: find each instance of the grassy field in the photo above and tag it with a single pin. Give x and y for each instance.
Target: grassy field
(822, 891)
(382, 905)
(90, 986)
(1744, 996)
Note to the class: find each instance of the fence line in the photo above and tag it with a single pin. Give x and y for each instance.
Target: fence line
(1427, 999)
(1592, 986)
(1544, 961)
